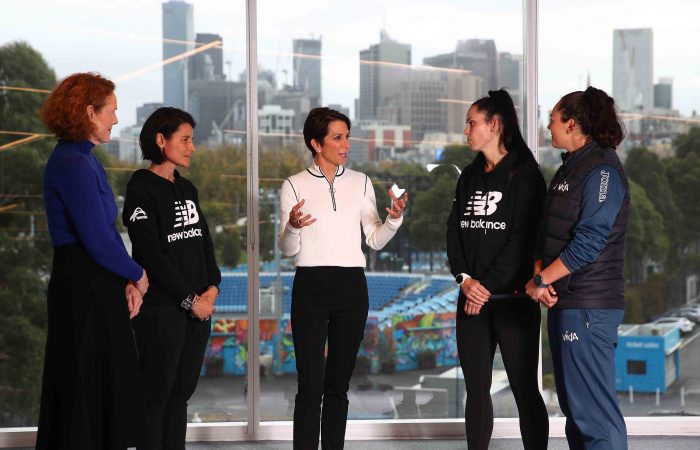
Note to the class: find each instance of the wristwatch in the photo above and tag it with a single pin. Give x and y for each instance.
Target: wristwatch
(539, 282)
(461, 278)
(189, 302)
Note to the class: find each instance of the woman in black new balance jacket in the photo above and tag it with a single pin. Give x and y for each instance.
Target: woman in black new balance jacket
(171, 240)
(491, 235)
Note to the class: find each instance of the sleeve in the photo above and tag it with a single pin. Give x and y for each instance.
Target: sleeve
(530, 192)
(455, 255)
(603, 194)
(377, 234)
(141, 219)
(81, 196)
(289, 239)
(213, 272)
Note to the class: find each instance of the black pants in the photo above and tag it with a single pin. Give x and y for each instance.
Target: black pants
(513, 324)
(91, 392)
(171, 349)
(328, 303)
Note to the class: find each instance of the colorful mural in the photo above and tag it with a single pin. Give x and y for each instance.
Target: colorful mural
(411, 342)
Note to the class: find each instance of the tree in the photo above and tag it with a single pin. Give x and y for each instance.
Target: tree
(688, 143)
(24, 243)
(645, 168)
(684, 178)
(646, 239)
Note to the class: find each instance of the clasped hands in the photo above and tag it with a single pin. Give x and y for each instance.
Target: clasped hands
(545, 295)
(476, 294)
(203, 306)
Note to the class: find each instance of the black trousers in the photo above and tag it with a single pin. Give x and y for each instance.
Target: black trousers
(513, 324)
(328, 304)
(91, 394)
(171, 348)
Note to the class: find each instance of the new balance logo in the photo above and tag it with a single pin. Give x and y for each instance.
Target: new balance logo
(569, 336)
(483, 205)
(185, 214)
(562, 187)
(138, 214)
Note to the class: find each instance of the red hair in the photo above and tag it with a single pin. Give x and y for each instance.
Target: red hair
(65, 111)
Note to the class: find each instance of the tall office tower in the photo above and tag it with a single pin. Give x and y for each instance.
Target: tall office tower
(633, 69)
(178, 37)
(510, 75)
(145, 110)
(379, 82)
(663, 93)
(420, 102)
(477, 55)
(307, 68)
(209, 64)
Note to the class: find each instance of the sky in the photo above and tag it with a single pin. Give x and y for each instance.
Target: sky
(119, 37)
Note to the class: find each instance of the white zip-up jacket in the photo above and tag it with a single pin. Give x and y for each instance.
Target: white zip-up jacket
(341, 209)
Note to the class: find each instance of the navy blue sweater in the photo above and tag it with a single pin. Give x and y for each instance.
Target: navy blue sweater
(80, 207)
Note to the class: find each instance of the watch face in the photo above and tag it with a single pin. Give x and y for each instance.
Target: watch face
(537, 280)
(459, 279)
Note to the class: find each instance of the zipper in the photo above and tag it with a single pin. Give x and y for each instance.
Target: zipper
(331, 189)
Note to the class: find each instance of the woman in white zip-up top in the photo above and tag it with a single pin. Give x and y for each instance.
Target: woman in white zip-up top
(323, 211)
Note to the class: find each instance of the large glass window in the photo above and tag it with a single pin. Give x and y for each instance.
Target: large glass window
(405, 75)
(188, 55)
(637, 54)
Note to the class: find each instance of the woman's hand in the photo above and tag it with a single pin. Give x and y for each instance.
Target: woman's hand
(134, 300)
(142, 284)
(203, 308)
(545, 295)
(477, 296)
(397, 205)
(297, 219)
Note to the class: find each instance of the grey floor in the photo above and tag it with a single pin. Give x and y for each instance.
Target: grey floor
(635, 443)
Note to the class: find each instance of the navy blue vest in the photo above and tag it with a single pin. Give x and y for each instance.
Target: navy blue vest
(600, 284)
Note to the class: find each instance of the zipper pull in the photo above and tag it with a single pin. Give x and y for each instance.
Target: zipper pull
(587, 324)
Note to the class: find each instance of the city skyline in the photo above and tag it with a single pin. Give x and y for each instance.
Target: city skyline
(106, 46)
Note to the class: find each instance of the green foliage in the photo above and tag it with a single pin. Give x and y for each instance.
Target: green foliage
(646, 238)
(688, 143)
(684, 178)
(646, 299)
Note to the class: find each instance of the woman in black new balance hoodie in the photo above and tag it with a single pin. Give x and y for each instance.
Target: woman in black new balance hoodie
(171, 240)
(491, 233)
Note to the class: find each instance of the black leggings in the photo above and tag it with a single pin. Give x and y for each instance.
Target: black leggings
(513, 324)
(328, 303)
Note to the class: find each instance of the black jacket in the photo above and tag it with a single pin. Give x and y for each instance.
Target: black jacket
(170, 237)
(492, 229)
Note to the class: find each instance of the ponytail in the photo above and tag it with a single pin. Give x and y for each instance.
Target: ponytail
(594, 111)
(499, 103)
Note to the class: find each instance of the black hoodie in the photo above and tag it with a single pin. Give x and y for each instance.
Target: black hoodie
(492, 229)
(170, 238)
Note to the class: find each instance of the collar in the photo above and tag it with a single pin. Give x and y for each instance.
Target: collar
(570, 159)
(315, 171)
(83, 146)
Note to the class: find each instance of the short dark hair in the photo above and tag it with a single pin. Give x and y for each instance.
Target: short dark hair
(316, 125)
(500, 103)
(594, 111)
(166, 121)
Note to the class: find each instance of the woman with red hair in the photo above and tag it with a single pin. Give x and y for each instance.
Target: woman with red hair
(91, 393)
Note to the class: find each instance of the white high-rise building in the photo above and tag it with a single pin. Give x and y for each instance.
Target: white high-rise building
(633, 70)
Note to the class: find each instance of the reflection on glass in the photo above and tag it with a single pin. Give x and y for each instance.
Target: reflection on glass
(407, 94)
(655, 91)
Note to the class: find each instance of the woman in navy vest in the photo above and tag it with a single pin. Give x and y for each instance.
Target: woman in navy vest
(497, 206)
(579, 266)
(91, 395)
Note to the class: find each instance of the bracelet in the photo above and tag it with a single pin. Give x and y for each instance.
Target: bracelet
(189, 301)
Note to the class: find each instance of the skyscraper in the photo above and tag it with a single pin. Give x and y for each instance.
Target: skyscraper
(307, 69)
(510, 74)
(633, 69)
(380, 82)
(178, 37)
(209, 64)
(663, 93)
(476, 55)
